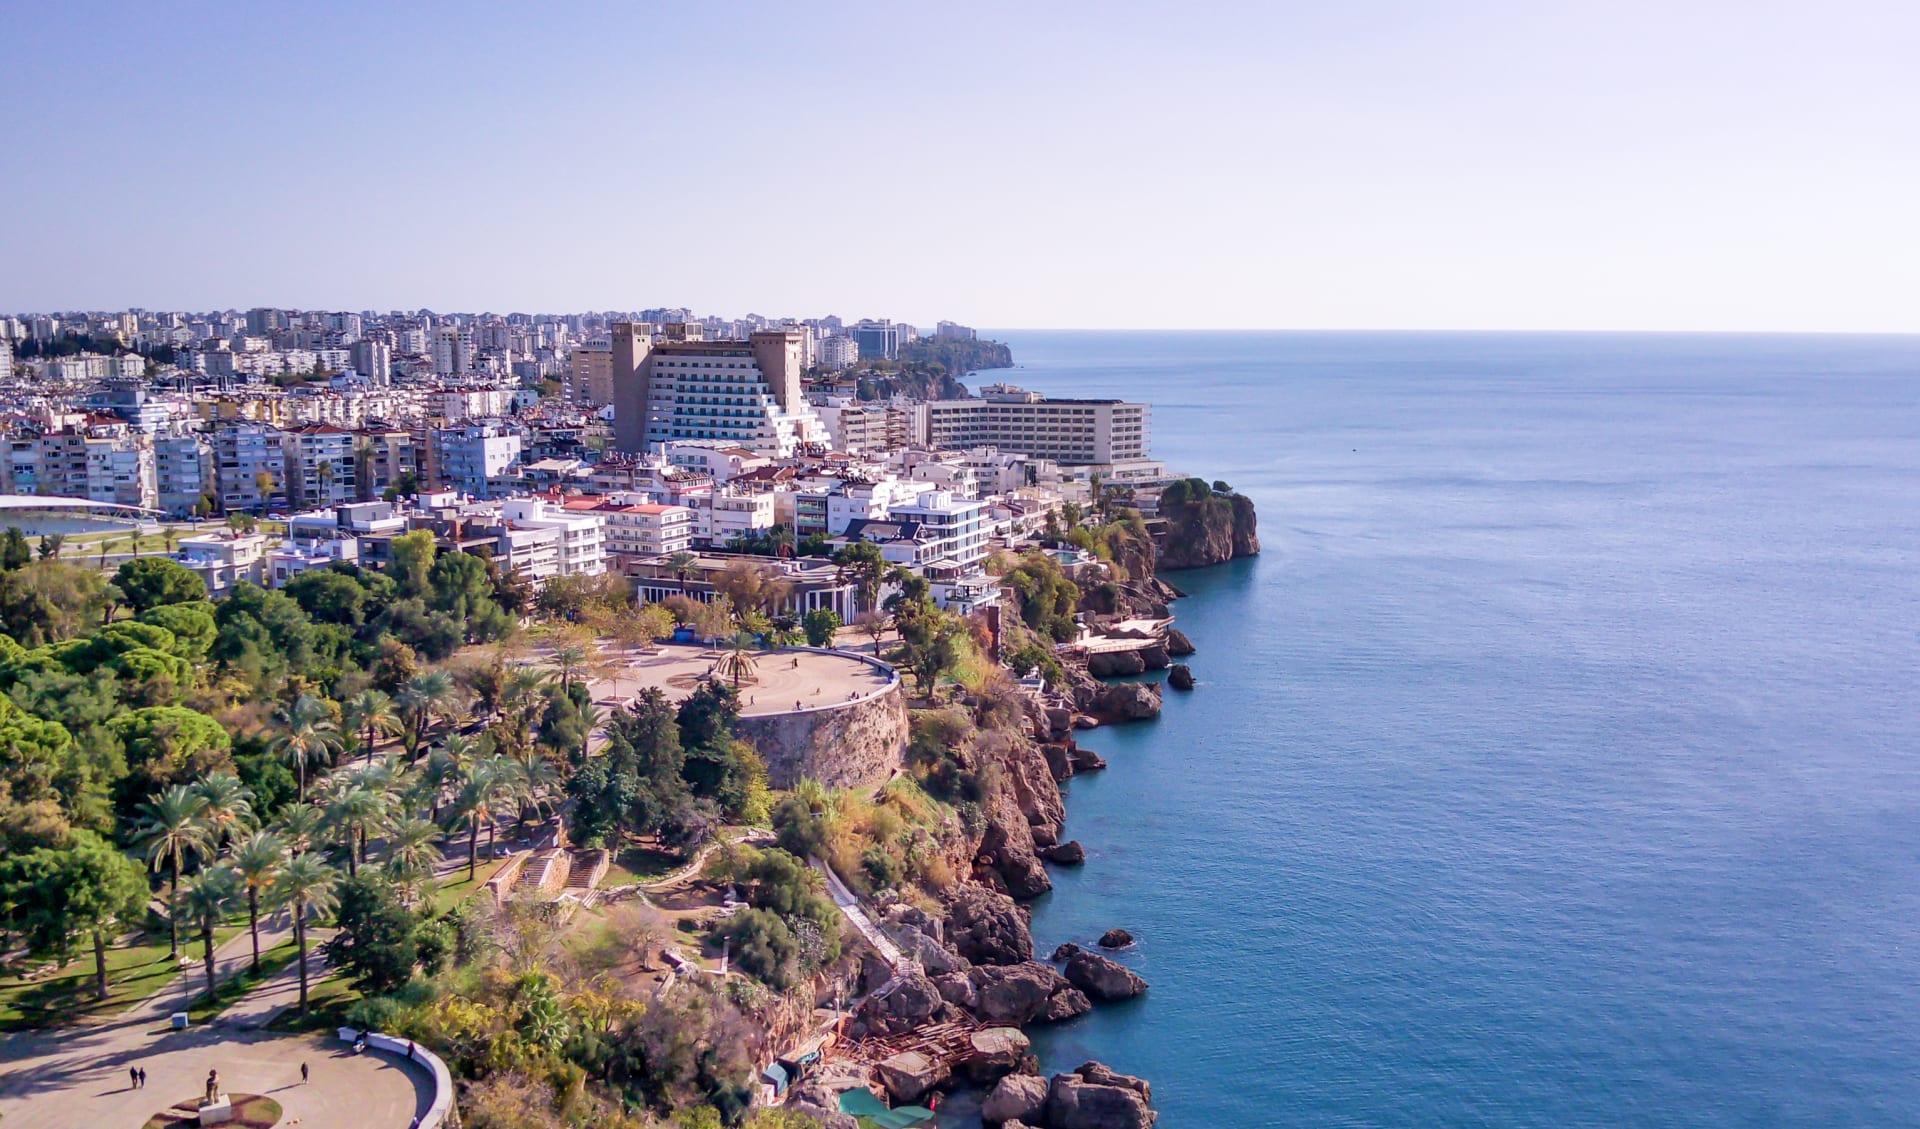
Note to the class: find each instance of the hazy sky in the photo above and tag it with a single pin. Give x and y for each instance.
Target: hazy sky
(1328, 164)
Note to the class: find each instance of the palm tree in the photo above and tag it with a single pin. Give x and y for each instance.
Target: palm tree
(306, 734)
(682, 564)
(171, 830)
(209, 893)
(300, 826)
(413, 847)
(423, 698)
(229, 807)
(371, 712)
(306, 884)
(172, 536)
(737, 660)
(256, 862)
(571, 659)
(51, 544)
(479, 785)
(353, 810)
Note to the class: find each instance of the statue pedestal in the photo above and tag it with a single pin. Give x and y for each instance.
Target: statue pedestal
(216, 1112)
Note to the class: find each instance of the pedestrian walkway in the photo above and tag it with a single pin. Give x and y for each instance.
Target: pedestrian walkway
(850, 906)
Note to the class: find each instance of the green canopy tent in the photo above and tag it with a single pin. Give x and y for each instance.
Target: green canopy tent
(862, 1104)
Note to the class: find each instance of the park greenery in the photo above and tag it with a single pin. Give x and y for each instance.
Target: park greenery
(337, 759)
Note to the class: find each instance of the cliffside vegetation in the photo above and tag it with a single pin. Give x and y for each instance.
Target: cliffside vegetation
(957, 356)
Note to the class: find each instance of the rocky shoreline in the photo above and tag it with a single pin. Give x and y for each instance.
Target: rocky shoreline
(970, 980)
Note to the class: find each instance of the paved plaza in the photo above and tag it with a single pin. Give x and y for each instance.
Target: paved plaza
(782, 680)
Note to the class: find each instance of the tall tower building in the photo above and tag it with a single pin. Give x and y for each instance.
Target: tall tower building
(632, 401)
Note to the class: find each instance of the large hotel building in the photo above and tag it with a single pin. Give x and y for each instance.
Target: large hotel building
(746, 393)
(1069, 432)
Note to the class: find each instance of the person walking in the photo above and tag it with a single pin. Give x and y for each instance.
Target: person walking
(143, 1078)
(133, 1078)
(303, 1074)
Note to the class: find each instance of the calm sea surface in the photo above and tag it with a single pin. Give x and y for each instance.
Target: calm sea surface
(1555, 765)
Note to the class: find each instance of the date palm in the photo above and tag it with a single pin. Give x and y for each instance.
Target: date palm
(229, 806)
(682, 565)
(371, 713)
(256, 861)
(423, 699)
(736, 662)
(571, 659)
(307, 885)
(353, 810)
(170, 829)
(300, 827)
(305, 734)
(208, 895)
(413, 847)
(480, 784)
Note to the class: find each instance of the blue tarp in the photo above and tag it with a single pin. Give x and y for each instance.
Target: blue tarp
(861, 1103)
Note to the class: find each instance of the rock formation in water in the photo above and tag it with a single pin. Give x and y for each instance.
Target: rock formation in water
(1204, 526)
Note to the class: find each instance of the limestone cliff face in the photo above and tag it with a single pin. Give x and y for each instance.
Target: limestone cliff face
(1205, 528)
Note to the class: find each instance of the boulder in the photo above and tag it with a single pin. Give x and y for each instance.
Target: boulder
(1178, 645)
(827, 1118)
(1059, 760)
(1064, 953)
(905, 1002)
(1016, 1098)
(1100, 1074)
(1115, 939)
(1180, 677)
(1069, 853)
(996, 1052)
(933, 956)
(1014, 994)
(1075, 1103)
(1085, 760)
(1065, 1005)
(986, 927)
(1155, 657)
(1102, 979)
(823, 1086)
(1122, 701)
(908, 1075)
(1112, 664)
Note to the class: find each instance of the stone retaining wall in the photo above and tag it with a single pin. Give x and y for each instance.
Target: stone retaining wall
(841, 746)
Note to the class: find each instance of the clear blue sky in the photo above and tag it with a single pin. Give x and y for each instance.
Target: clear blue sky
(1393, 165)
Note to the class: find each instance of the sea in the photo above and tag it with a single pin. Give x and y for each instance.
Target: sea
(1555, 764)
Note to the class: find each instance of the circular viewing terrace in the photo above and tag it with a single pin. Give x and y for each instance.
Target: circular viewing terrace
(789, 680)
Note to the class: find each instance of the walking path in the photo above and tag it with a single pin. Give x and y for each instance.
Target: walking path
(850, 906)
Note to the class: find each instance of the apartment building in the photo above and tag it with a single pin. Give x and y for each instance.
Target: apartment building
(953, 529)
(590, 374)
(474, 458)
(320, 466)
(250, 466)
(583, 544)
(644, 528)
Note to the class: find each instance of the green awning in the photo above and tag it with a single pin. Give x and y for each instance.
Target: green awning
(860, 1102)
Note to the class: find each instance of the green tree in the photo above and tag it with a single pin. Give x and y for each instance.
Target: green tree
(354, 811)
(305, 734)
(53, 896)
(371, 712)
(192, 627)
(169, 745)
(413, 557)
(49, 600)
(208, 896)
(229, 806)
(863, 564)
(820, 625)
(151, 582)
(50, 546)
(307, 885)
(14, 551)
(375, 942)
(171, 830)
(256, 861)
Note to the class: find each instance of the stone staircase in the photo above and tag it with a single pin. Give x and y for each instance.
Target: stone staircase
(546, 872)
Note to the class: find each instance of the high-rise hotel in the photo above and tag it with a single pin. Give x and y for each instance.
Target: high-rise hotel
(746, 393)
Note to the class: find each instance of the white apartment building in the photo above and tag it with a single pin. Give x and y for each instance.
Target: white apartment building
(224, 559)
(452, 351)
(869, 501)
(245, 455)
(474, 457)
(582, 549)
(649, 529)
(120, 469)
(837, 352)
(723, 517)
(952, 529)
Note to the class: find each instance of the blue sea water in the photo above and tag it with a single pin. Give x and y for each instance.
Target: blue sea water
(1554, 765)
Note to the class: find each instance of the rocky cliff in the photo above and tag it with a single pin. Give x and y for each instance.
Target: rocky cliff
(1203, 526)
